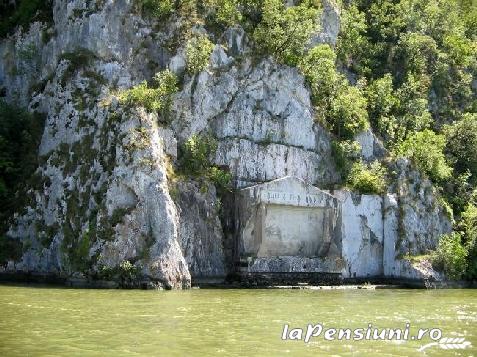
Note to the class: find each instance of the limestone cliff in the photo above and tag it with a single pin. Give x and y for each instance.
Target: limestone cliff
(105, 203)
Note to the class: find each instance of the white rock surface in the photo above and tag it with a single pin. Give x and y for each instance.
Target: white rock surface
(362, 234)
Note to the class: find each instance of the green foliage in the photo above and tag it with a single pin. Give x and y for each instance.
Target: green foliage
(78, 252)
(166, 86)
(198, 51)
(352, 44)
(127, 271)
(451, 256)
(195, 154)
(345, 152)
(194, 161)
(157, 98)
(342, 106)
(221, 178)
(426, 150)
(319, 68)
(412, 114)
(430, 41)
(395, 114)
(251, 11)
(348, 115)
(367, 179)
(415, 53)
(23, 13)
(157, 8)
(224, 12)
(382, 104)
(461, 145)
(459, 192)
(285, 31)
(141, 95)
(468, 229)
(460, 50)
(20, 135)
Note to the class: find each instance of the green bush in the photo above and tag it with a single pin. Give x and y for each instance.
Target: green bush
(196, 153)
(222, 179)
(154, 99)
(382, 105)
(285, 31)
(395, 114)
(461, 145)
(157, 8)
(141, 95)
(451, 256)
(345, 152)
(348, 115)
(367, 179)
(415, 53)
(224, 12)
(127, 271)
(194, 161)
(340, 106)
(432, 41)
(352, 43)
(413, 112)
(319, 68)
(468, 230)
(198, 51)
(426, 150)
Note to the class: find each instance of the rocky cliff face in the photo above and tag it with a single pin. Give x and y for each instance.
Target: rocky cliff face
(103, 196)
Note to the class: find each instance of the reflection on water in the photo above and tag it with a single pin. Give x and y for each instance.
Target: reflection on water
(55, 321)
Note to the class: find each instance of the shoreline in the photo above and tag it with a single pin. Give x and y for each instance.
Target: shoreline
(375, 283)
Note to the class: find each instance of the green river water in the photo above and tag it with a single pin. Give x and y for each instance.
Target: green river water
(49, 321)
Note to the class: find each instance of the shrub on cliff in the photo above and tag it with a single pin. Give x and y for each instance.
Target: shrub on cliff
(285, 31)
(426, 150)
(367, 179)
(340, 106)
(468, 230)
(319, 68)
(156, 98)
(224, 12)
(345, 153)
(157, 8)
(198, 51)
(451, 256)
(195, 157)
(382, 104)
(352, 43)
(461, 145)
(348, 115)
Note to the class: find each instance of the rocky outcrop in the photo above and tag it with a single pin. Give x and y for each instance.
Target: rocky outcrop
(422, 218)
(200, 231)
(103, 204)
(379, 235)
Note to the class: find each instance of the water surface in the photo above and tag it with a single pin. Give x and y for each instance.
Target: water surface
(71, 322)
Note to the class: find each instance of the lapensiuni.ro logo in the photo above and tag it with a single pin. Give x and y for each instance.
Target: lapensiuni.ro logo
(432, 336)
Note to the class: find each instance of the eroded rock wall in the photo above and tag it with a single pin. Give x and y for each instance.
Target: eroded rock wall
(102, 196)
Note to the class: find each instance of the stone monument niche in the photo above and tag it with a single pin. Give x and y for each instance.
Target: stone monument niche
(287, 226)
(285, 230)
